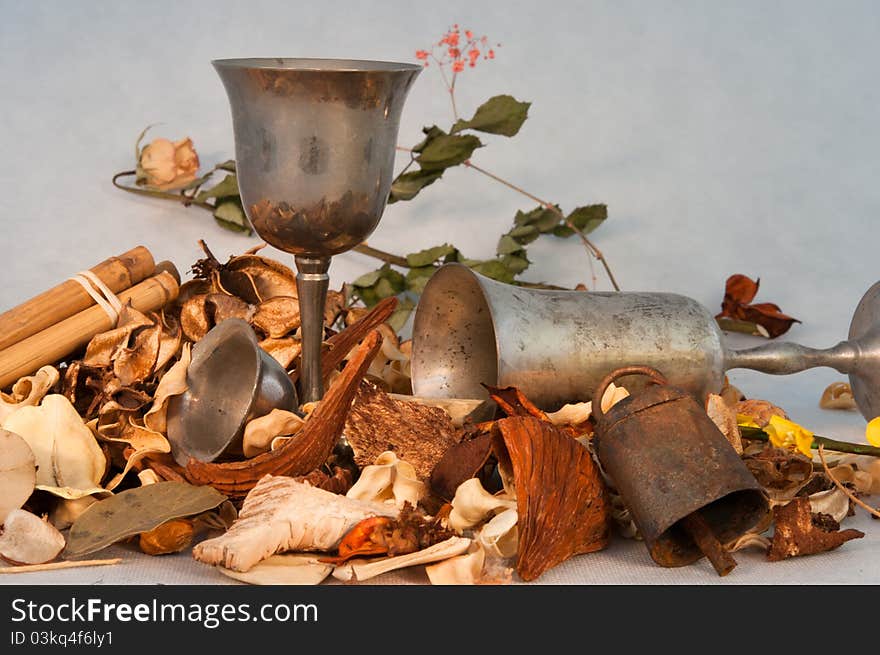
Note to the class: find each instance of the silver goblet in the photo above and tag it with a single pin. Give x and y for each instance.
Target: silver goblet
(314, 152)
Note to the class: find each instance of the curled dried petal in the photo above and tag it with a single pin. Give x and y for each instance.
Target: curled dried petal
(837, 395)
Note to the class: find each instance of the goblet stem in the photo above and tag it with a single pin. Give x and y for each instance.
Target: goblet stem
(312, 282)
(785, 358)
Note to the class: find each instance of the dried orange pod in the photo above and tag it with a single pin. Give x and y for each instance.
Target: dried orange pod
(170, 537)
(561, 497)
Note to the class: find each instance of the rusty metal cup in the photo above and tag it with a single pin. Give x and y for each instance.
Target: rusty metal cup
(230, 381)
(668, 460)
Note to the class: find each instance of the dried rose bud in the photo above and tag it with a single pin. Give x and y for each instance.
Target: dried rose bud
(166, 166)
(170, 537)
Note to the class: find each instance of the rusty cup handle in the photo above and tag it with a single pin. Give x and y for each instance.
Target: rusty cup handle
(655, 376)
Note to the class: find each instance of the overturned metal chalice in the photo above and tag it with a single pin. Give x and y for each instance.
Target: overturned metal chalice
(556, 346)
(230, 381)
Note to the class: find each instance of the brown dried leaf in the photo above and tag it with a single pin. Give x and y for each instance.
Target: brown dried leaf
(800, 532)
(277, 316)
(739, 292)
(416, 433)
(460, 462)
(562, 500)
(194, 319)
(136, 363)
(513, 403)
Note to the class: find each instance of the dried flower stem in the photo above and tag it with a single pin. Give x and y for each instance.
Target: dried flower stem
(589, 245)
(874, 512)
(831, 444)
(53, 566)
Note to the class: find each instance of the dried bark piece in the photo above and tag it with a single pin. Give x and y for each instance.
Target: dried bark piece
(460, 462)
(309, 450)
(137, 510)
(562, 501)
(800, 532)
(417, 433)
(281, 514)
(513, 403)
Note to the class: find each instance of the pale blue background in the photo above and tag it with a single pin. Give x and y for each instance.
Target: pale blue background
(724, 137)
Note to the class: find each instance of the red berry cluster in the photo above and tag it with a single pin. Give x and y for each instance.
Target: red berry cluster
(456, 53)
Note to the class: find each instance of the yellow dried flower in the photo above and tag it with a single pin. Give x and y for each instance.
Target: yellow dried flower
(788, 434)
(872, 432)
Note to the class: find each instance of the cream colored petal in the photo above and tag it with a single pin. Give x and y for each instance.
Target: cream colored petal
(28, 391)
(460, 570)
(259, 433)
(390, 479)
(833, 502)
(173, 383)
(472, 504)
(360, 570)
(69, 459)
(571, 414)
(293, 569)
(500, 536)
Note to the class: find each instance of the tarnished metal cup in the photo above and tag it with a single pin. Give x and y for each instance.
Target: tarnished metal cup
(230, 381)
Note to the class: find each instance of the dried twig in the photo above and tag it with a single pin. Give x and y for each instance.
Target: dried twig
(53, 566)
(849, 494)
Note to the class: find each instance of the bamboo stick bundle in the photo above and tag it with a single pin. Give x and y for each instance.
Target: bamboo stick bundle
(57, 341)
(70, 297)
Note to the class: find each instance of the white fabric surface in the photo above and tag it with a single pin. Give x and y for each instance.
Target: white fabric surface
(724, 138)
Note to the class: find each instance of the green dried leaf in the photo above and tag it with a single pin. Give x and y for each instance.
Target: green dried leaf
(447, 150)
(502, 114)
(408, 185)
(228, 165)
(398, 319)
(507, 245)
(543, 218)
(516, 263)
(227, 188)
(429, 255)
(417, 278)
(588, 218)
(134, 511)
(430, 133)
(376, 285)
(525, 234)
(495, 269)
(229, 214)
(368, 279)
(390, 285)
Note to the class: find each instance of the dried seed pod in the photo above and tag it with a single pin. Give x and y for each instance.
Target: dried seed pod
(28, 539)
(277, 317)
(170, 537)
(194, 318)
(220, 306)
(837, 395)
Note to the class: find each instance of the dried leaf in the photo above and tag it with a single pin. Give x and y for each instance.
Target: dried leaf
(562, 500)
(137, 510)
(800, 532)
(739, 292)
(460, 462)
(416, 433)
(502, 114)
(70, 462)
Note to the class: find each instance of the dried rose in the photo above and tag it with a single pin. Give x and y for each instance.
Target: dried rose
(739, 292)
(165, 165)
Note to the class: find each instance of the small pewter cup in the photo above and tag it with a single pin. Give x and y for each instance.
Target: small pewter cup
(314, 150)
(556, 346)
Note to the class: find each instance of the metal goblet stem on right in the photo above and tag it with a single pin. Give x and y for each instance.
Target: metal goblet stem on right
(314, 150)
